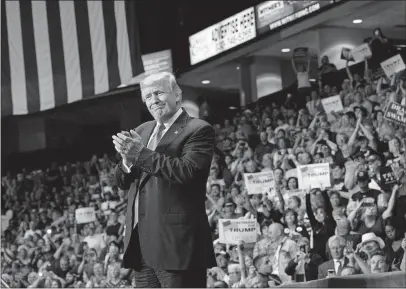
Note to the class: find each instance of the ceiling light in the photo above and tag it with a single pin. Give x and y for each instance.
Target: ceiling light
(232, 107)
(285, 50)
(206, 81)
(357, 21)
(238, 68)
(312, 80)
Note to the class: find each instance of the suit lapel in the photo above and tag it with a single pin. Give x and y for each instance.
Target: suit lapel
(175, 130)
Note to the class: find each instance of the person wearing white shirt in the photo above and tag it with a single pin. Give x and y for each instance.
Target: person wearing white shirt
(336, 245)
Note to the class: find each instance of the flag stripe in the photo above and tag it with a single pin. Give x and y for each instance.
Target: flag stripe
(85, 48)
(133, 36)
(98, 41)
(43, 53)
(30, 57)
(17, 69)
(57, 52)
(111, 39)
(123, 46)
(6, 101)
(70, 51)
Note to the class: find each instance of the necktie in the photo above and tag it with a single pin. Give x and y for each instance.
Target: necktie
(339, 268)
(153, 143)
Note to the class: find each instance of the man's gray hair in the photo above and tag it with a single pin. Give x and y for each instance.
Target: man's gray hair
(337, 239)
(162, 76)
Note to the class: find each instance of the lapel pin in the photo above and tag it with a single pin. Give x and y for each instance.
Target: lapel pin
(176, 132)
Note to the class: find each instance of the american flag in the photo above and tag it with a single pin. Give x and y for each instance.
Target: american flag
(58, 52)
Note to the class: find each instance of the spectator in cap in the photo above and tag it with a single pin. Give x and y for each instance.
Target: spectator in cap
(363, 181)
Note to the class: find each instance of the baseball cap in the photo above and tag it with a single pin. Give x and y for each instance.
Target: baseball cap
(362, 176)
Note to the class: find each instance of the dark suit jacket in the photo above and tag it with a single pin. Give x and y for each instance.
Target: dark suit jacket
(173, 228)
(311, 268)
(323, 268)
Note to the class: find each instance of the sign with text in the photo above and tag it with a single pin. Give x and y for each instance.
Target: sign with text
(273, 14)
(85, 215)
(393, 65)
(231, 231)
(396, 112)
(360, 52)
(314, 176)
(388, 177)
(259, 183)
(332, 104)
(300, 53)
(222, 36)
(157, 62)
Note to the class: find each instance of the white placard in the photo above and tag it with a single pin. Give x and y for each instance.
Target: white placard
(314, 176)
(157, 62)
(233, 230)
(393, 65)
(222, 36)
(4, 222)
(259, 183)
(332, 104)
(85, 215)
(360, 52)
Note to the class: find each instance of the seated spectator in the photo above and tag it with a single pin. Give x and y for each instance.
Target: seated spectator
(336, 245)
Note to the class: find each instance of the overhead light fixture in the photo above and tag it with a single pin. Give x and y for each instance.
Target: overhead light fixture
(232, 107)
(238, 68)
(206, 81)
(284, 50)
(357, 21)
(312, 80)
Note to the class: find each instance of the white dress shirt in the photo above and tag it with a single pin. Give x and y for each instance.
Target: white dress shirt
(167, 125)
(337, 263)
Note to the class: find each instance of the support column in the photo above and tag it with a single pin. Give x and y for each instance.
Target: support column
(248, 85)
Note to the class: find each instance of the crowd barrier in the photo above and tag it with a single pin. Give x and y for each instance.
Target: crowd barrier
(382, 280)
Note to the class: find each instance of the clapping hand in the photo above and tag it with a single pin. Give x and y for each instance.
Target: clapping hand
(128, 144)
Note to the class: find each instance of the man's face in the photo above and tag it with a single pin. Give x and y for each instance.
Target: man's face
(64, 264)
(263, 136)
(378, 264)
(336, 250)
(160, 100)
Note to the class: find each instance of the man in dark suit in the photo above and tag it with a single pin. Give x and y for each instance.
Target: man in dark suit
(338, 262)
(165, 166)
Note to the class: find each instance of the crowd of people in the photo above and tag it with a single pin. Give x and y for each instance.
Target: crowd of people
(355, 226)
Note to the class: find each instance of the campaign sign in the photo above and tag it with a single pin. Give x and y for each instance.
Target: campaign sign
(231, 231)
(393, 65)
(388, 177)
(259, 183)
(314, 176)
(85, 215)
(301, 52)
(360, 52)
(332, 104)
(396, 112)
